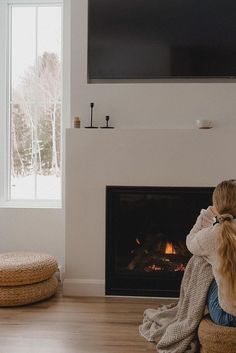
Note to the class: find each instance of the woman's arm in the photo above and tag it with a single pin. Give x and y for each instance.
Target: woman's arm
(198, 240)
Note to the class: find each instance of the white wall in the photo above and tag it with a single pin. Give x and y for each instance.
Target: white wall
(159, 105)
(135, 157)
(25, 229)
(162, 105)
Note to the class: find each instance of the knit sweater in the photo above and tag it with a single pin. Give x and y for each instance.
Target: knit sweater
(203, 241)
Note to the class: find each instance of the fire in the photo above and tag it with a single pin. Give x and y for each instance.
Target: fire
(169, 248)
(180, 267)
(138, 241)
(152, 268)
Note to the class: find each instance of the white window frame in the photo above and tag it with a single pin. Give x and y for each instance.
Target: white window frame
(5, 202)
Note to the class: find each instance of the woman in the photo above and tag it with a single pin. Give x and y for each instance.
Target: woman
(216, 242)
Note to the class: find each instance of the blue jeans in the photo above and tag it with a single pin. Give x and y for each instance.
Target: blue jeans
(217, 314)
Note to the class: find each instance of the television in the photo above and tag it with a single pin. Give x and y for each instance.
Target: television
(156, 39)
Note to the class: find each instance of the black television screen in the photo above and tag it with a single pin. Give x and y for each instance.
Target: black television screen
(153, 39)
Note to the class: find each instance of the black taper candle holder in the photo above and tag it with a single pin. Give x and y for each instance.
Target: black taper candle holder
(107, 123)
(91, 118)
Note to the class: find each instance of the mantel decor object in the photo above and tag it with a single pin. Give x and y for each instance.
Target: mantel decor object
(107, 123)
(204, 124)
(77, 122)
(91, 118)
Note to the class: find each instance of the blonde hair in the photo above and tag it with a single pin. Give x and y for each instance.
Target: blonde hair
(224, 200)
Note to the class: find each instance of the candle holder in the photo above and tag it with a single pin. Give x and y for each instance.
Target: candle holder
(91, 118)
(77, 122)
(107, 123)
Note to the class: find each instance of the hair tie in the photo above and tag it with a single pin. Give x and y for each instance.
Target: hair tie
(225, 217)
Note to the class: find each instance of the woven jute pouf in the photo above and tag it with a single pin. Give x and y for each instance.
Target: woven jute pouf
(22, 268)
(28, 294)
(216, 339)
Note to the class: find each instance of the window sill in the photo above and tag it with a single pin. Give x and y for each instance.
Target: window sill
(31, 204)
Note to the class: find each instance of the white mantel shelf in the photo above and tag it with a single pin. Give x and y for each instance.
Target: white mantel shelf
(139, 157)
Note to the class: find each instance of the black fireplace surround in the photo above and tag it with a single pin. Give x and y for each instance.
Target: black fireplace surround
(146, 230)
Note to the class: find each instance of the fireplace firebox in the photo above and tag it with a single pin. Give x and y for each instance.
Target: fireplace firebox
(146, 230)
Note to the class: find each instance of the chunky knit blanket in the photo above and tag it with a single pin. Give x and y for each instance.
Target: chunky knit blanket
(174, 327)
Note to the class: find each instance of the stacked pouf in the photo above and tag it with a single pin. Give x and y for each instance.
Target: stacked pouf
(216, 339)
(26, 277)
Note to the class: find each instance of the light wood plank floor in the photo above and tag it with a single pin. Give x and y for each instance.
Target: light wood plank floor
(76, 325)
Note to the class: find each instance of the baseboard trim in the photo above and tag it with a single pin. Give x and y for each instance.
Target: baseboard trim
(84, 287)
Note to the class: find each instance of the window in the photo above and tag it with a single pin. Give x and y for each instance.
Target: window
(32, 105)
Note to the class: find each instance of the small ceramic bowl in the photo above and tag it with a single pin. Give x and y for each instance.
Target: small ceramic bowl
(204, 124)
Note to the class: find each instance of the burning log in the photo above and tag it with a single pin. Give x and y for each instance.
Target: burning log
(143, 250)
(159, 254)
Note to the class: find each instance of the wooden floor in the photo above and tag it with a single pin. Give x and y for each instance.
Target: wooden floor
(76, 325)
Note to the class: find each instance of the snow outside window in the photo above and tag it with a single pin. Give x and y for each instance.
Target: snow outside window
(34, 101)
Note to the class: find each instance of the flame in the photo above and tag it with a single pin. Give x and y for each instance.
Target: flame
(169, 248)
(138, 241)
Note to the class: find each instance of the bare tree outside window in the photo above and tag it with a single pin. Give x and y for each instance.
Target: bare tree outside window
(36, 103)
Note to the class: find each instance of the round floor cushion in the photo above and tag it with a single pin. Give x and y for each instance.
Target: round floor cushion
(28, 294)
(216, 339)
(22, 268)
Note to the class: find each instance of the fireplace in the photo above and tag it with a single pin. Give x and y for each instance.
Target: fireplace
(146, 228)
